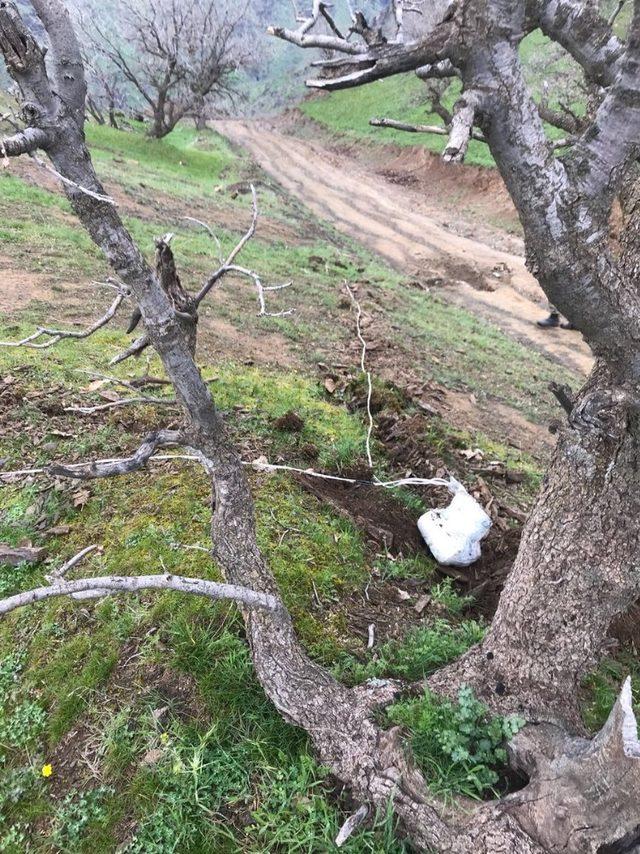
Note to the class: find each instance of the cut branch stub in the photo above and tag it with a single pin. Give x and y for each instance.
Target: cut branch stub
(583, 794)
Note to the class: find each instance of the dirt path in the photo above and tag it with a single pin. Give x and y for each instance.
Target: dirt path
(399, 225)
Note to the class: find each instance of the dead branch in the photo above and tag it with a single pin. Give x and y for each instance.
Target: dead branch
(461, 129)
(434, 129)
(228, 265)
(24, 142)
(66, 567)
(143, 400)
(136, 583)
(57, 335)
(220, 272)
(364, 370)
(138, 346)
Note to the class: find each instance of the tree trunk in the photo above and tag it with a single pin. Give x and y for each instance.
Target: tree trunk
(577, 567)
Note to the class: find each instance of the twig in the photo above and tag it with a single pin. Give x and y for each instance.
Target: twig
(57, 335)
(219, 273)
(125, 401)
(257, 464)
(75, 560)
(372, 635)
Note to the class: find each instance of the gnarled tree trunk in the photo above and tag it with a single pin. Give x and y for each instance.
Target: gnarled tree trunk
(578, 565)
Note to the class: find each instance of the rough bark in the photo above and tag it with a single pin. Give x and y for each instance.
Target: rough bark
(577, 567)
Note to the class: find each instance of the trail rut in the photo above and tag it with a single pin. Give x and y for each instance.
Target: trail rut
(412, 235)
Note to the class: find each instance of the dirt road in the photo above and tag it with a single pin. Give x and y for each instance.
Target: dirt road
(400, 225)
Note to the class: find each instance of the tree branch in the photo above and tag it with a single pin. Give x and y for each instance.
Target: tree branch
(461, 128)
(583, 33)
(67, 65)
(57, 335)
(612, 141)
(24, 142)
(434, 129)
(134, 584)
(90, 471)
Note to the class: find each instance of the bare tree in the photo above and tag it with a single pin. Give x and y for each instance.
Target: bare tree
(177, 57)
(578, 563)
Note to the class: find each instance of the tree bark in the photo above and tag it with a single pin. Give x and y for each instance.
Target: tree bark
(576, 569)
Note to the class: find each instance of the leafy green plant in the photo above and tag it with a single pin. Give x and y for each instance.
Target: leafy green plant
(460, 746)
(20, 722)
(445, 595)
(76, 814)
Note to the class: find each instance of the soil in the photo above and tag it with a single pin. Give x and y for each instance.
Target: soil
(17, 288)
(483, 268)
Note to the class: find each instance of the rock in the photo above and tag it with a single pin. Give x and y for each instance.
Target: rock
(23, 554)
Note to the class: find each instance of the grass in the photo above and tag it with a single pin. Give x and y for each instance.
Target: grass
(402, 98)
(158, 735)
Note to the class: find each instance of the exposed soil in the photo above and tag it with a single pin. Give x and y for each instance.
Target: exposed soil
(483, 268)
(17, 287)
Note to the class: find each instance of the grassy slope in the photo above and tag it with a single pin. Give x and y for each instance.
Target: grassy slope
(147, 709)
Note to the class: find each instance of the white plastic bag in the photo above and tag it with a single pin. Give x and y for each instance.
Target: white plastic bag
(453, 533)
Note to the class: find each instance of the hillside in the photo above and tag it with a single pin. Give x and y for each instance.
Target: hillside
(137, 724)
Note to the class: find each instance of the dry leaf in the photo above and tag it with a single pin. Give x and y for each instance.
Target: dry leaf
(330, 385)
(81, 497)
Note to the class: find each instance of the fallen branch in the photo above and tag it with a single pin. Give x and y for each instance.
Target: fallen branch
(135, 583)
(363, 368)
(125, 401)
(59, 573)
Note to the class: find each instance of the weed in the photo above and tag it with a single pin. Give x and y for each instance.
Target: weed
(459, 746)
(420, 653)
(77, 815)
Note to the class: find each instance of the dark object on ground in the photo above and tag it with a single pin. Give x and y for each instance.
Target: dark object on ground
(290, 422)
(550, 322)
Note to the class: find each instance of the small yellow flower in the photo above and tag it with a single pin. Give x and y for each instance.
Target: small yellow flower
(164, 738)
(47, 770)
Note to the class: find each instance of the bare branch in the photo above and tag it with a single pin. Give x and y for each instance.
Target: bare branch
(134, 584)
(363, 368)
(612, 141)
(57, 335)
(59, 573)
(461, 128)
(434, 129)
(134, 349)
(614, 15)
(66, 56)
(125, 401)
(90, 471)
(438, 70)
(261, 290)
(303, 37)
(220, 272)
(585, 34)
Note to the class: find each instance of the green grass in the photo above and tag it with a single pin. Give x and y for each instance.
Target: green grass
(184, 165)
(401, 98)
